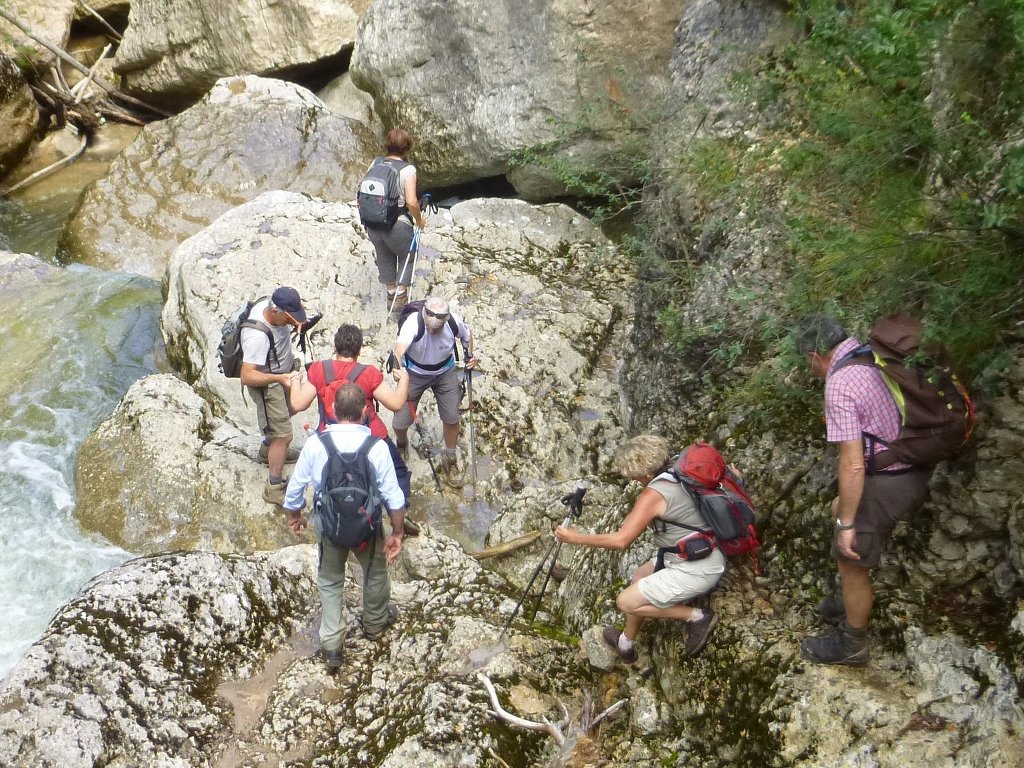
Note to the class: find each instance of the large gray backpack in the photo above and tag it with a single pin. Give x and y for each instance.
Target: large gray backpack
(379, 194)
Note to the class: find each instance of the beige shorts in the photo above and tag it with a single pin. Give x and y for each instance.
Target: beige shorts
(675, 584)
(272, 412)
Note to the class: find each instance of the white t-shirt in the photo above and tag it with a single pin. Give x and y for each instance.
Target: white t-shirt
(432, 348)
(256, 345)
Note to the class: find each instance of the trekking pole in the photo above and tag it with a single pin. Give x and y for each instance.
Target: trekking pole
(472, 432)
(423, 440)
(413, 249)
(574, 503)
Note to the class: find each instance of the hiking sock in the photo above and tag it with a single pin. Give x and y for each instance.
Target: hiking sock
(857, 636)
(696, 614)
(625, 644)
(275, 480)
(450, 453)
(266, 441)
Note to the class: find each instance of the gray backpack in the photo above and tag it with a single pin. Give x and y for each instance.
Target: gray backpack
(348, 503)
(379, 193)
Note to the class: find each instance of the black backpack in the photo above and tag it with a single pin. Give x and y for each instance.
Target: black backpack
(379, 193)
(229, 351)
(348, 504)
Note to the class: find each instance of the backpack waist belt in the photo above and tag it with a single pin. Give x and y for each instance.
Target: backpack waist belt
(431, 366)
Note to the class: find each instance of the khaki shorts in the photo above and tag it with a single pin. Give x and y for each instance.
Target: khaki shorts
(447, 389)
(675, 584)
(888, 498)
(272, 411)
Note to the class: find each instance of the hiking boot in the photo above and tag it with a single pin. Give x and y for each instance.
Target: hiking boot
(375, 634)
(290, 458)
(333, 659)
(403, 449)
(832, 610)
(611, 636)
(273, 493)
(699, 632)
(839, 645)
(409, 528)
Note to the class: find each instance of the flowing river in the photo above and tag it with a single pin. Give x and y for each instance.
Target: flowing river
(70, 348)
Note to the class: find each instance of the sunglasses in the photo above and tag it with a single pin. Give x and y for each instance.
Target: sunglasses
(438, 315)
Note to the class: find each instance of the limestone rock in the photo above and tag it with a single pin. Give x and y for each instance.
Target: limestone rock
(246, 136)
(540, 287)
(18, 114)
(173, 52)
(197, 659)
(49, 20)
(20, 272)
(476, 82)
(341, 96)
(597, 651)
(192, 490)
(126, 671)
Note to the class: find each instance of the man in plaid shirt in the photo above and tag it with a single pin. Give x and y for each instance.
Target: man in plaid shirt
(861, 416)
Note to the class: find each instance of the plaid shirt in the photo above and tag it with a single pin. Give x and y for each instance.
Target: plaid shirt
(857, 401)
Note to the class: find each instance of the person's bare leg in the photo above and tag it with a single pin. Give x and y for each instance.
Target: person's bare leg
(858, 593)
(277, 452)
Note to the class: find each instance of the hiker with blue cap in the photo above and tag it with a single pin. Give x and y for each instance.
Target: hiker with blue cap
(268, 371)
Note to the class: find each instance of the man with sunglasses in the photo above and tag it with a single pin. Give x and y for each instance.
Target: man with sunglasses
(426, 348)
(268, 372)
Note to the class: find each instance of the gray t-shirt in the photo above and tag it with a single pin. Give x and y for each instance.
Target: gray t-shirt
(256, 345)
(679, 508)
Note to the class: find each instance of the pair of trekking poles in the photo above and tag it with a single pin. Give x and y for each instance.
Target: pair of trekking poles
(574, 508)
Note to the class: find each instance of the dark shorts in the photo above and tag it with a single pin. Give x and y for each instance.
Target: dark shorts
(887, 499)
(447, 389)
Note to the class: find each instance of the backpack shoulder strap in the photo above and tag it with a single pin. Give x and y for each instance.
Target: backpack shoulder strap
(259, 325)
(421, 327)
(328, 372)
(354, 372)
(862, 355)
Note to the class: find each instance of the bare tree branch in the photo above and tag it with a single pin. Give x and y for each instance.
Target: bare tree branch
(553, 730)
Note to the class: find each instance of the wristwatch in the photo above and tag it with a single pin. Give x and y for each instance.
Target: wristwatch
(840, 526)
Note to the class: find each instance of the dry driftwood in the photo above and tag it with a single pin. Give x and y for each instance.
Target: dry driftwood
(67, 57)
(110, 30)
(507, 546)
(44, 172)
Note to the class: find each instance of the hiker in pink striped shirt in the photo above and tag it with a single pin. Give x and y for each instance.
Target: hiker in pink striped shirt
(860, 416)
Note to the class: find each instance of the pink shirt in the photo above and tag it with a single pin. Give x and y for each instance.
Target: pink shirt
(857, 401)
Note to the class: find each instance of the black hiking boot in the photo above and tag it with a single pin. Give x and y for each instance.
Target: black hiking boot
(376, 634)
(832, 610)
(333, 659)
(841, 645)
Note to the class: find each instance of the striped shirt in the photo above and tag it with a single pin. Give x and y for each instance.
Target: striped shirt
(858, 402)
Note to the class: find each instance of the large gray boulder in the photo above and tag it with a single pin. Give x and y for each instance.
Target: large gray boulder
(174, 51)
(477, 82)
(544, 292)
(162, 474)
(18, 114)
(248, 135)
(201, 660)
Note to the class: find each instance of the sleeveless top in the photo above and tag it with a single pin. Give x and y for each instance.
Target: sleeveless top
(679, 508)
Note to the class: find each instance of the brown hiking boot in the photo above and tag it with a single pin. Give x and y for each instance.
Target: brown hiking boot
(273, 493)
(699, 632)
(611, 636)
(409, 528)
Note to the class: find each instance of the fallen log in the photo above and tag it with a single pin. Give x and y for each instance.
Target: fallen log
(507, 546)
(44, 172)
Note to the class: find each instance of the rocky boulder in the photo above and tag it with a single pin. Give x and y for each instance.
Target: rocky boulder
(49, 20)
(248, 135)
(173, 52)
(199, 485)
(201, 660)
(544, 292)
(478, 83)
(18, 114)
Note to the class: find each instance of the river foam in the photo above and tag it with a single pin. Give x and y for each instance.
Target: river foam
(70, 348)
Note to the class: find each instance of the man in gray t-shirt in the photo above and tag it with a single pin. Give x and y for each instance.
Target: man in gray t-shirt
(267, 371)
